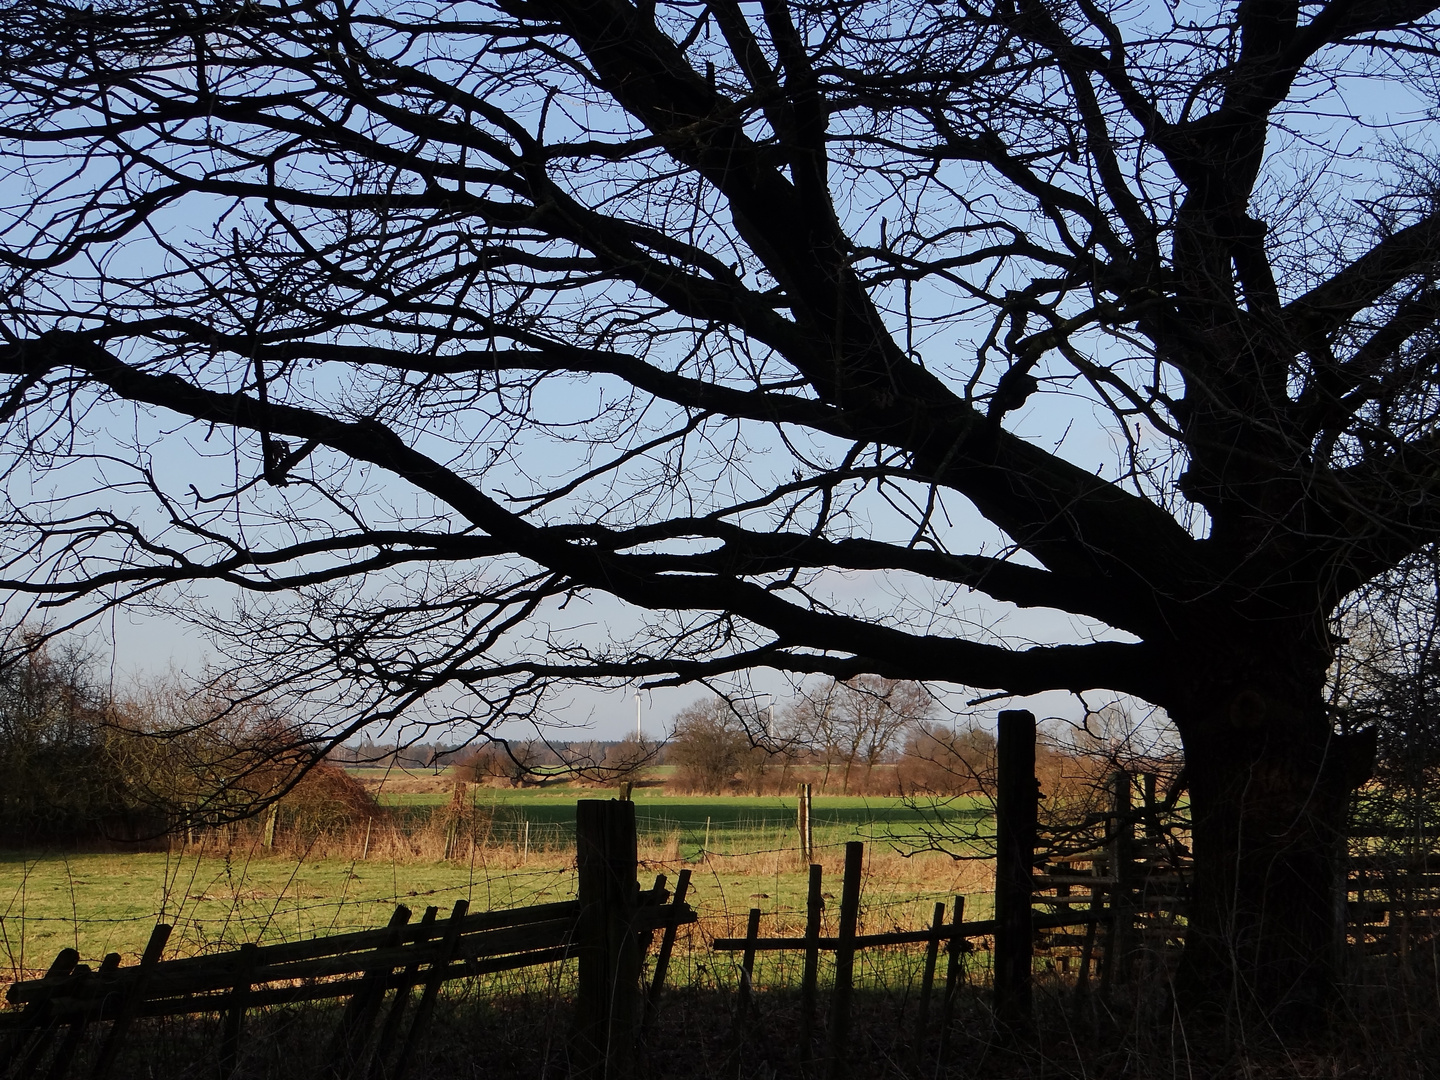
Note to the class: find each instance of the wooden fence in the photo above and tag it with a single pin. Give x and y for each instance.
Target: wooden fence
(379, 973)
(1392, 892)
(847, 942)
(1128, 869)
(1103, 905)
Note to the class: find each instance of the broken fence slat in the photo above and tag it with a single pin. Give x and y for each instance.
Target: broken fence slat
(337, 944)
(347, 1045)
(390, 1030)
(178, 978)
(289, 995)
(675, 912)
(130, 1004)
(219, 978)
(235, 1010)
(434, 977)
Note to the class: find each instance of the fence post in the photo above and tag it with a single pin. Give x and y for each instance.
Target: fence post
(845, 958)
(667, 945)
(802, 816)
(927, 980)
(608, 1004)
(235, 1010)
(1119, 949)
(956, 948)
(1342, 898)
(35, 1012)
(347, 1045)
(747, 969)
(1087, 951)
(1150, 792)
(814, 907)
(434, 978)
(65, 1052)
(130, 1006)
(36, 1025)
(1016, 807)
(390, 1031)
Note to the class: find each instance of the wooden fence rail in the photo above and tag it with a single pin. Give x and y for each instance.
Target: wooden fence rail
(42, 1037)
(954, 935)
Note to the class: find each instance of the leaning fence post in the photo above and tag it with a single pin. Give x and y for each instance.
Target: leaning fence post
(130, 1006)
(667, 946)
(814, 907)
(1016, 808)
(955, 948)
(347, 1045)
(38, 1021)
(927, 979)
(65, 1052)
(34, 1017)
(390, 1030)
(607, 1006)
(747, 964)
(433, 980)
(845, 958)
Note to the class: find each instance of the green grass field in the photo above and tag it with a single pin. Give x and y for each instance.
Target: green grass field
(103, 903)
(733, 824)
(100, 903)
(522, 853)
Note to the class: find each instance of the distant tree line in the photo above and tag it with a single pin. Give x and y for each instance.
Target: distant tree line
(876, 736)
(863, 735)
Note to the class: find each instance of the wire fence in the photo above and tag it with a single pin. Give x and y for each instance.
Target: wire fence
(244, 884)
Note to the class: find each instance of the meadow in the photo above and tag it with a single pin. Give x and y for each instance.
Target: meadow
(226, 890)
(728, 824)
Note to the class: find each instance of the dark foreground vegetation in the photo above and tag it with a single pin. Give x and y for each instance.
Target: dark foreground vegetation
(1386, 1026)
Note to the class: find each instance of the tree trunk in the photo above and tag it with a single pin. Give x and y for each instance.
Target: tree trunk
(1269, 783)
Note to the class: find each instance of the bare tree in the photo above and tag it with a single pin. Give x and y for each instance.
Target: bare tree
(426, 326)
(516, 761)
(940, 760)
(712, 747)
(859, 722)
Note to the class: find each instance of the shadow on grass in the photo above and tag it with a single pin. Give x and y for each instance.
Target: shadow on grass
(1387, 1027)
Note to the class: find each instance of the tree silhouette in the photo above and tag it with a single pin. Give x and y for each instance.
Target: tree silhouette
(861, 721)
(426, 324)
